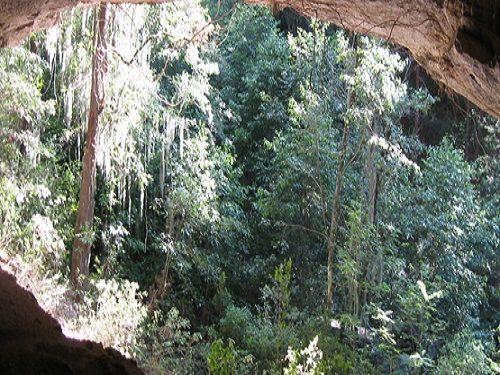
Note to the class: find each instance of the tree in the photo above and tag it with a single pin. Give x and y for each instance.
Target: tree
(334, 224)
(80, 260)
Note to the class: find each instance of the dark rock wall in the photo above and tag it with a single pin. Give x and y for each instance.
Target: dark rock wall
(31, 341)
(456, 41)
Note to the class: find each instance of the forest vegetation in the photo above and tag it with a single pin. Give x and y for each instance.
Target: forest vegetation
(217, 188)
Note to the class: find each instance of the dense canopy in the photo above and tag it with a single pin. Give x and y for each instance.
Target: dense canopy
(224, 188)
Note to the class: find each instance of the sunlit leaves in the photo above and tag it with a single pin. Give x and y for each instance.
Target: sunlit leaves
(426, 296)
(23, 112)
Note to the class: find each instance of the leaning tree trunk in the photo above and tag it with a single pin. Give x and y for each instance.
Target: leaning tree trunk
(85, 218)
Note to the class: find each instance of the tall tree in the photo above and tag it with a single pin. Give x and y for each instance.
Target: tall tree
(334, 224)
(85, 218)
(336, 208)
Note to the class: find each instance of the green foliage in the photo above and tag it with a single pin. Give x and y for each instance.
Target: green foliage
(418, 311)
(437, 214)
(257, 335)
(354, 259)
(338, 356)
(277, 296)
(218, 152)
(167, 344)
(112, 314)
(306, 361)
(463, 355)
(221, 360)
(21, 82)
(35, 204)
(254, 96)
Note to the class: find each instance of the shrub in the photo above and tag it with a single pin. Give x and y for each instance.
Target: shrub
(167, 345)
(305, 361)
(464, 355)
(257, 335)
(112, 314)
(222, 359)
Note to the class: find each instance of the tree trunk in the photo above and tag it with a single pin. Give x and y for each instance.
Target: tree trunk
(374, 269)
(162, 283)
(371, 176)
(334, 223)
(332, 235)
(85, 218)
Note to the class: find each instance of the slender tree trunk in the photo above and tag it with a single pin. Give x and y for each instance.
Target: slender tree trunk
(332, 235)
(372, 177)
(162, 168)
(162, 283)
(373, 270)
(85, 217)
(334, 223)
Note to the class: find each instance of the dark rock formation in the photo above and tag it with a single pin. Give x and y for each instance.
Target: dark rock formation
(456, 41)
(18, 18)
(31, 341)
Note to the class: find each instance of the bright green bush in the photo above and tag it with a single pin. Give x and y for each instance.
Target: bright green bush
(222, 359)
